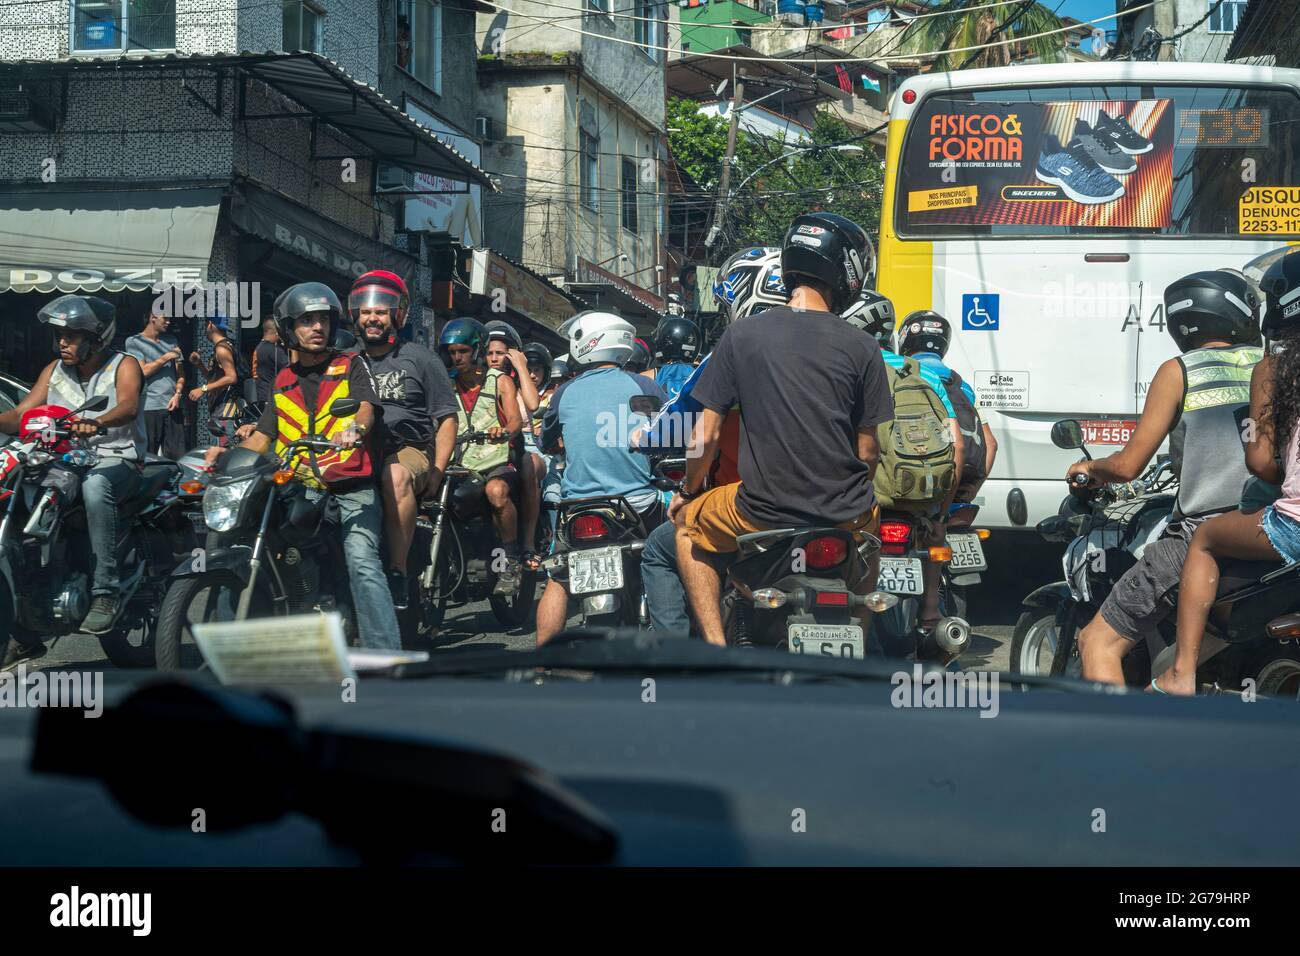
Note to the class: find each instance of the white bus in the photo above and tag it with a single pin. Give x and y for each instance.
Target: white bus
(1043, 210)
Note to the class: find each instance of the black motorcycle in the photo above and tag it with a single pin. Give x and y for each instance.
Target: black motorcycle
(464, 555)
(272, 550)
(1105, 530)
(46, 563)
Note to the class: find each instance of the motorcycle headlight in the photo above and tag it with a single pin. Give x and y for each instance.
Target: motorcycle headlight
(221, 504)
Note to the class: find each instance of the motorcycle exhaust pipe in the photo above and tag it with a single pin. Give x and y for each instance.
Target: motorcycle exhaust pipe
(946, 642)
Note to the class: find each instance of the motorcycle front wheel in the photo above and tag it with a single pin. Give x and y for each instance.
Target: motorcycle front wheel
(131, 647)
(1034, 643)
(199, 600)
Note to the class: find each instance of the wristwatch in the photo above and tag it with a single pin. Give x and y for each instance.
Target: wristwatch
(361, 429)
(690, 495)
(205, 388)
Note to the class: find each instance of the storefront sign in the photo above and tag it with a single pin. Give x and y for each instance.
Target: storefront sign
(502, 281)
(590, 272)
(450, 206)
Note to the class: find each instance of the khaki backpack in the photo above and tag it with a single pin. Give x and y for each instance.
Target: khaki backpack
(918, 461)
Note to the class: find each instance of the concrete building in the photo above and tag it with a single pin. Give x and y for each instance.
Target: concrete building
(146, 151)
(1267, 34)
(572, 106)
(1208, 42)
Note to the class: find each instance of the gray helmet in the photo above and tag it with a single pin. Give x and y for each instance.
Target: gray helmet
(94, 316)
(872, 313)
(497, 329)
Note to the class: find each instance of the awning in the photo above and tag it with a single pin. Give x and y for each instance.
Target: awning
(520, 290)
(323, 89)
(320, 241)
(93, 241)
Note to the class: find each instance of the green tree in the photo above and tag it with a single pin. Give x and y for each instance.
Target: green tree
(767, 191)
(959, 26)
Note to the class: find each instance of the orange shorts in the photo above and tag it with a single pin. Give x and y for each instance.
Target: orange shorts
(713, 522)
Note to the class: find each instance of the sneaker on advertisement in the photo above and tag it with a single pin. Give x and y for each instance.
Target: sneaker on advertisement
(1078, 176)
(1102, 151)
(1117, 130)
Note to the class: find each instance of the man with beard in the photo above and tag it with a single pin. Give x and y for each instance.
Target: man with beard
(419, 431)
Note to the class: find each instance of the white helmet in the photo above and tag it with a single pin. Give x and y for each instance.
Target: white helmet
(749, 282)
(597, 337)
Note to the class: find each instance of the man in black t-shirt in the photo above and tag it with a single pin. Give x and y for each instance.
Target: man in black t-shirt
(812, 390)
(269, 356)
(419, 407)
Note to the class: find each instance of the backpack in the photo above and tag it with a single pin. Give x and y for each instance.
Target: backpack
(972, 431)
(918, 461)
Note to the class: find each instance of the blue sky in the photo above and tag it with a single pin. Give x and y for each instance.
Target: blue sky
(1083, 9)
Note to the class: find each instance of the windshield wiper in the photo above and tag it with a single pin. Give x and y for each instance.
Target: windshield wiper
(243, 758)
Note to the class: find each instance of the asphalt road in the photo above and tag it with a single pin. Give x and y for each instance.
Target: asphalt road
(1018, 563)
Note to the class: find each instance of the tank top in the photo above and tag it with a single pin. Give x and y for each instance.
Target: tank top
(1205, 443)
(66, 388)
(481, 416)
(1289, 503)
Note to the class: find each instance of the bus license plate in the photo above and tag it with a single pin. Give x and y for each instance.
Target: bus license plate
(1107, 431)
(600, 569)
(828, 640)
(901, 576)
(967, 553)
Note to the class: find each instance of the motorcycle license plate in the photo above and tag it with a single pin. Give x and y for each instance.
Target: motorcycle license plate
(1102, 431)
(901, 576)
(828, 640)
(600, 569)
(967, 553)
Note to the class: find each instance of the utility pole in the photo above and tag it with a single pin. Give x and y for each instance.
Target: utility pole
(720, 210)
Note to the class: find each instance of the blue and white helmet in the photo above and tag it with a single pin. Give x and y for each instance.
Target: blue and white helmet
(749, 282)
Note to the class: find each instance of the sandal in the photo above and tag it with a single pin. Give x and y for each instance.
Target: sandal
(531, 561)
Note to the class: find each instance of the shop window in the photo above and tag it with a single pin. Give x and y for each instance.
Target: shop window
(119, 26)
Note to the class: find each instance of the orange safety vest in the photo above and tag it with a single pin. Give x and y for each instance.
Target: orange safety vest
(296, 420)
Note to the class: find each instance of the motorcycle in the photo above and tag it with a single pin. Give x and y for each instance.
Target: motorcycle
(46, 563)
(795, 588)
(457, 533)
(1106, 531)
(902, 574)
(271, 551)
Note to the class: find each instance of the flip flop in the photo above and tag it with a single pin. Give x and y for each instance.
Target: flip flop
(1155, 687)
(531, 560)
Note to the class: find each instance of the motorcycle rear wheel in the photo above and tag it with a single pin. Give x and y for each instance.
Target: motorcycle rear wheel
(1034, 643)
(515, 610)
(1276, 671)
(125, 653)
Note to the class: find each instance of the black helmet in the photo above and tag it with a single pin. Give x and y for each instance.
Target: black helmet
(872, 313)
(538, 354)
(1222, 304)
(676, 339)
(463, 332)
(560, 371)
(829, 249)
(83, 313)
(924, 331)
(302, 299)
(1281, 287)
(639, 360)
(498, 329)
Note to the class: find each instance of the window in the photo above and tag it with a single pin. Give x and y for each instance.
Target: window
(1192, 173)
(302, 23)
(589, 171)
(1227, 16)
(646, 31)
(600, 6)
(628, 191)
(123, 25)
(419, 41)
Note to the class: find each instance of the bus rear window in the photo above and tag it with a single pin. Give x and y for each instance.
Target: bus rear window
(1089, 160)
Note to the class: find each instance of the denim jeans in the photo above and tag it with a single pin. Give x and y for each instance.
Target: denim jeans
(104, 488)
(362, 516)
(665, 596)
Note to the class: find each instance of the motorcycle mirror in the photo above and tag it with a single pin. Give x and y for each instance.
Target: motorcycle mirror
(345, 407)
(1067, 433)
(645, 404)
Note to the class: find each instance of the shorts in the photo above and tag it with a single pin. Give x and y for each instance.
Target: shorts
(713, 522)
(1145, 595)
(507, 473)
(1283, 533)
(416, 461)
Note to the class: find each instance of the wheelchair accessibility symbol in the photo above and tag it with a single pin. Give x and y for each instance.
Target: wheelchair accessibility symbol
(980, 312)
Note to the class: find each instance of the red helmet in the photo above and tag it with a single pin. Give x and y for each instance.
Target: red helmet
(37, 420)
(382, 289)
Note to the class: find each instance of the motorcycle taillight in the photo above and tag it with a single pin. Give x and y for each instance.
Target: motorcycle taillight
(823, 553)
(894, 537)
(588, 528)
